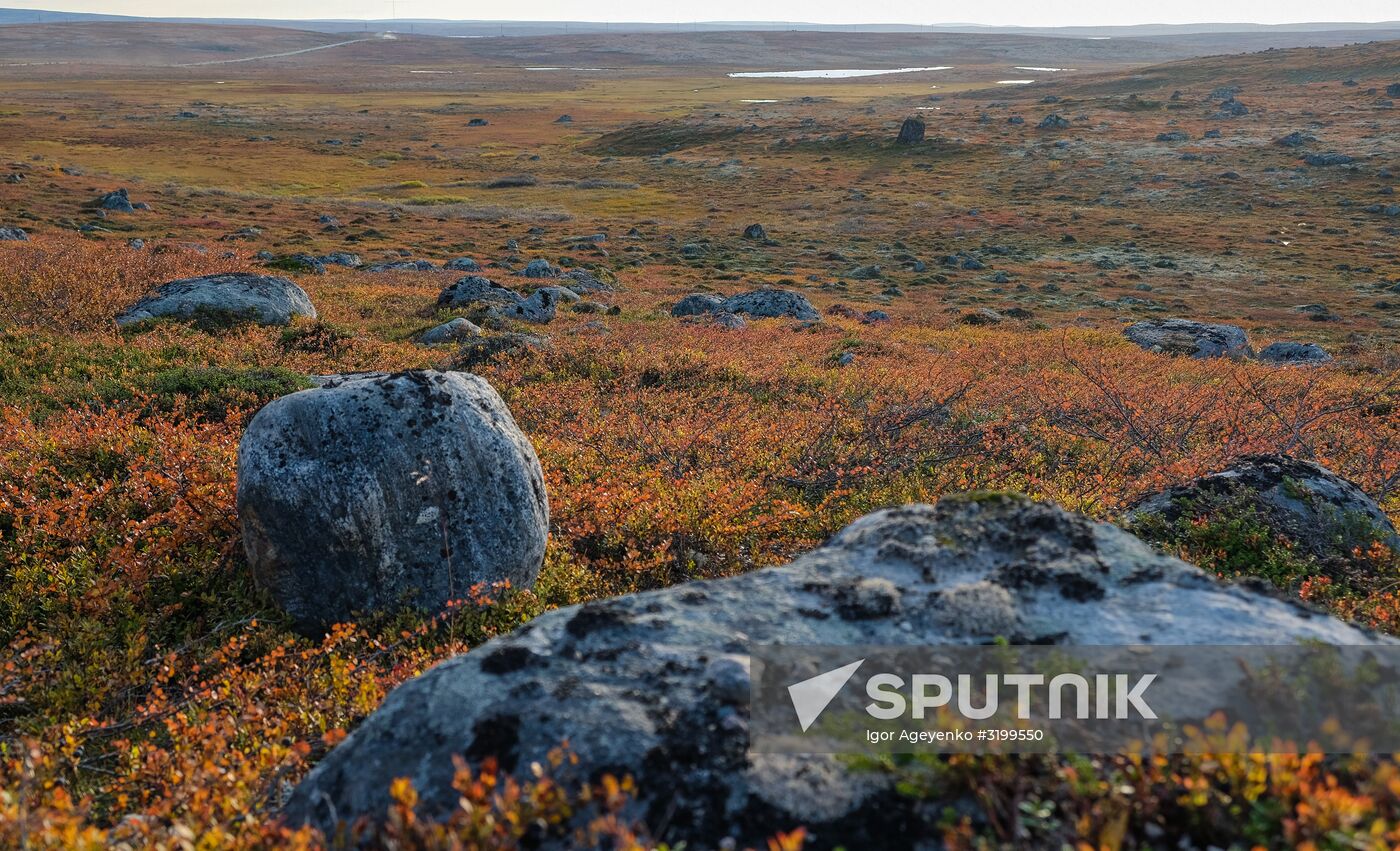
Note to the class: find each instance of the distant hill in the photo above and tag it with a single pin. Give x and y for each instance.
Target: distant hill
(1259, 36)
(1298, 65)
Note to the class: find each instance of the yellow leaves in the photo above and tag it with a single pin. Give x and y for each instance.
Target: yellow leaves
(402, 792)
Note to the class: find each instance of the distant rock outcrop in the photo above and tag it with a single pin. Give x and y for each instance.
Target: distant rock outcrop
(265, 299)
(378, 492)
(402, 266)
(656, 685)
(117, 201)
(1190, 338)
(462, 264)
(1296, 139)
(1053, 121)
(1328, 158)
(452, 331)
(474, 289)
(1294, 353)
(697, 304)
(13, 235)
(911, 131)
(771, 303)
(539, 268)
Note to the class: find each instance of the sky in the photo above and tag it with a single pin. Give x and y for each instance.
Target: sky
(1037, 13)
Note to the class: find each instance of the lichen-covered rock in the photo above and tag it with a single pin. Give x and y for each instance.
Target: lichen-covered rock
(452, 331)
(378, 492)
(1316, 510)
(771, 303)
(13, 235)
(540, 308)
(402, 266)
(117, 201)
(756, 232)
(341, 258)
(265, 299)
(1294, 353)
(584, 281)
(538, 268)
(462, 264)
(474, 289)
(656, 685)
(981, 316)
(1327, 158)
(697, 304)
(1190, 338)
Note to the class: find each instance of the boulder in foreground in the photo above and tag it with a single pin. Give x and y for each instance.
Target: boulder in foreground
(656, 685)
(265, 299)
(378, 492)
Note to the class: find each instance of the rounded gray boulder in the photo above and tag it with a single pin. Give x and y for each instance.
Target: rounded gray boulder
(474, 289)
(381, 492)
(452, 331)
(1294, 353)
(265, 299)
(697, 304)
(1314, 509)
(1190, 338)
(771, 303)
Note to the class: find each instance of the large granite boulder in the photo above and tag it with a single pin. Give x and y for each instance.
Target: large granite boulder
(377, 492)
(656, 685)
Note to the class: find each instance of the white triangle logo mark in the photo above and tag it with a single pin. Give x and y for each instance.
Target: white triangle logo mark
(811, 697)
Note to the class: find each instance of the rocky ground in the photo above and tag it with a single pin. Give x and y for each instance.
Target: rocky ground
(248, 488)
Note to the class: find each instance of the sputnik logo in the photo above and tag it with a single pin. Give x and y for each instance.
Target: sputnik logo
(811, 697)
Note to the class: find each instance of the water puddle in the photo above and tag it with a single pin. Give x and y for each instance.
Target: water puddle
(1034, 68)
(1014, 82)
(757, 100)
(556, 68)
(837, 73)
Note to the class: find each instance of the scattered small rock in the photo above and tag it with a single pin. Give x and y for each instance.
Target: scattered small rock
(452, 331)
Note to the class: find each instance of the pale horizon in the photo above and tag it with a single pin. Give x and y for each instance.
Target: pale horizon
(997, 13)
